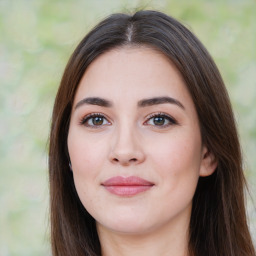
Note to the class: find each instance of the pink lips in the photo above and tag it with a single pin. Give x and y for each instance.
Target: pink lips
(127, 186)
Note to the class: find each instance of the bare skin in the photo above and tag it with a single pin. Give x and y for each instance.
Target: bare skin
(134, 117)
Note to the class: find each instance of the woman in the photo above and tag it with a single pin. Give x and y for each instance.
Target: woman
(144, 154)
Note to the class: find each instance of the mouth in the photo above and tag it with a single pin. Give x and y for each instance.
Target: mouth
(127, 186)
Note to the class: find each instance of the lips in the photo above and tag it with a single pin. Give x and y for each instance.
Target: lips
(127, 186)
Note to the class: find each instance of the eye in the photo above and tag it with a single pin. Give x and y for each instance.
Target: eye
(94, 120)
(161, 120)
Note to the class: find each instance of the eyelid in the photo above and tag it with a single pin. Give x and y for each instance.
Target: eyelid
(171, 119)
(85, 118)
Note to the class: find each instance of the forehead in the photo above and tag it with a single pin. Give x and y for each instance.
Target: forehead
(132, 73)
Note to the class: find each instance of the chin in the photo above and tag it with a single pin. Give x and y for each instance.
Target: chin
(127, 225)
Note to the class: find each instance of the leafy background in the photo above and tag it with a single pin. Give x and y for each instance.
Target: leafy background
(36, 39)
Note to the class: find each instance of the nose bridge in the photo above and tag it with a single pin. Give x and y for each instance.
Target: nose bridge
(126, 147)
(124, 137)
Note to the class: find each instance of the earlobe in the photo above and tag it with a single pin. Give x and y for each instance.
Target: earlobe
(70, 166)
(208, 164)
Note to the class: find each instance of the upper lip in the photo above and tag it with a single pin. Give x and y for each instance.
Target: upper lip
(127, 181)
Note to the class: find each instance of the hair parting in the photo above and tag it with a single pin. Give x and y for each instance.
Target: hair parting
(218, 225)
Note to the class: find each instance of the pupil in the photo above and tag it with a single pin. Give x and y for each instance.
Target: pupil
(159, 120)
(97, 120)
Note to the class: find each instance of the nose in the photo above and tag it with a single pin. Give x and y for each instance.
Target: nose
(126, 148)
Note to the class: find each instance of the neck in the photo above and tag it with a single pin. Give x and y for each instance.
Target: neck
(164, 242)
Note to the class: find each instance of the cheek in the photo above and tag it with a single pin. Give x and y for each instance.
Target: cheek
(181, 154)
(86, 152)
(178, 165)
(86, 155)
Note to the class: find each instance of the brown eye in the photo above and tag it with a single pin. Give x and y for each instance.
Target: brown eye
(97, 120)
(160, 120)
(94, 121)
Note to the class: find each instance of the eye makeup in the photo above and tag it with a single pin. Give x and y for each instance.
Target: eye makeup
(94, 120)
(158, 120)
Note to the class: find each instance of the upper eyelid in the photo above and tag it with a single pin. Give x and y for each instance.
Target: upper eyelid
(95, 114)
(172, 121)
(148, 117)
(159, 114)
(91, 115)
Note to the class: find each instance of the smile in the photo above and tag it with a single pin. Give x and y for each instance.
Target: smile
(127, 186)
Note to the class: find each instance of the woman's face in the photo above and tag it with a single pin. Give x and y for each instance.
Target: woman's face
(134, 143)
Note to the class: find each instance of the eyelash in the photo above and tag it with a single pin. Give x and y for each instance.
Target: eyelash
(171, 120)
(85, 119)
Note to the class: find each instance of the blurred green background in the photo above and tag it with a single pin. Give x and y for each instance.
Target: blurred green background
(36, 39)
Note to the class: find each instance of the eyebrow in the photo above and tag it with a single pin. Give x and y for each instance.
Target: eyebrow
(142, 103)
(159, 100)
(94, 101)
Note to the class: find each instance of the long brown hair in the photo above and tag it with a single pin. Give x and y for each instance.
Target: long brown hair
(218, 225)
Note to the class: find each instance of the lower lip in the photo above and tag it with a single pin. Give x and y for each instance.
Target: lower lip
(128, 190)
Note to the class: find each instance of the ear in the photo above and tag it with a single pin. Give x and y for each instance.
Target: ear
(70, 166)
(209, 163)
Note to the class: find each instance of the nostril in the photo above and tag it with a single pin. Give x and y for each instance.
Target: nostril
(132, 160)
